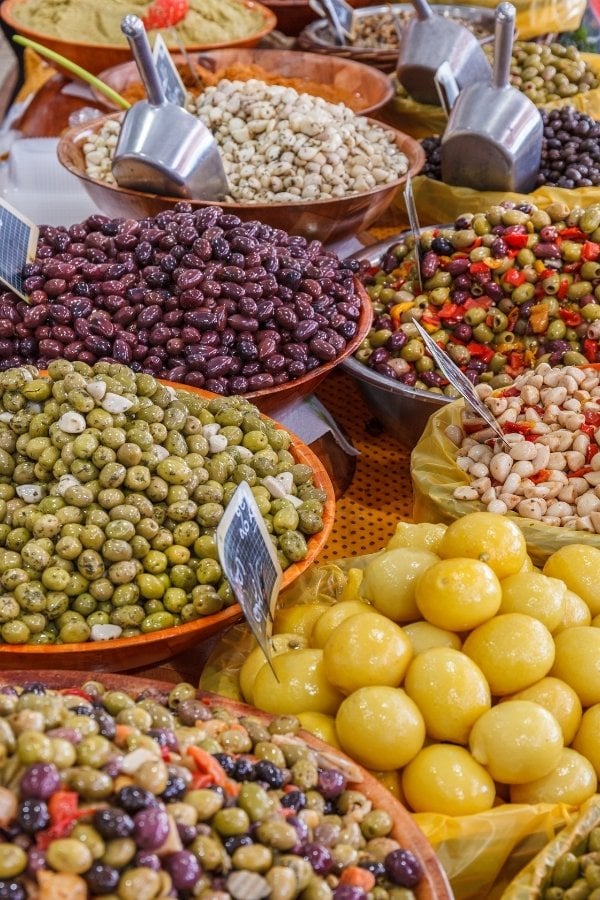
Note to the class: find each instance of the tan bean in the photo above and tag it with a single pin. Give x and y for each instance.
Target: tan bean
(583, 523)
(510, 500)
(559, 508)
(581, 442)
(530, 395)
(551, 520)
(511, 483)
(553, 396)
(478, 470)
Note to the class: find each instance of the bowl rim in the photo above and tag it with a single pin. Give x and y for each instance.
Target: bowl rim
(227, 616)
(474, 13)
(359, 69)
(78, 133)
(7, 15)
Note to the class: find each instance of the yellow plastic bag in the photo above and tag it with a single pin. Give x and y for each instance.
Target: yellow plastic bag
(526, 886)
(435, 476)
(423, 119)
(438, 203)
(536, 17)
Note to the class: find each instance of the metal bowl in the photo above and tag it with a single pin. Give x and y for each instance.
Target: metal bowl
(401, 409)
(318, 38)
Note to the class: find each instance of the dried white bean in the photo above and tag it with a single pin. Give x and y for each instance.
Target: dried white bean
(559, 508)
(592, 478)
(523, 467)
(488, 495)
(584, 523)
(478, 470)
(551, 520)
(587, 503)
(481, 484)
(556, 461)
(581, 443)
(574, 460)
(510, 500)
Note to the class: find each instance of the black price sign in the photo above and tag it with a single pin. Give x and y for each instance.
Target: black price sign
(169, 77)
(250, 563)
(18, 242)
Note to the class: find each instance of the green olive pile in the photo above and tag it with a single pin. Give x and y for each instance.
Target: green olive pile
(108, 795)
(111, 488)
(576, 874)
(549, 72)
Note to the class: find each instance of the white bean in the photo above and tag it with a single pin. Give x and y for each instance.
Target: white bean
(481, 484)
(511, 483)
(510, 500)
(496, 405)
(581, 442)
(559, 508)
(523, 467)
(488, 495)
(551, 520)
(480, 453)
(478, 470)
(463, 462)
(542, 456)
(592, 478)
(551, 378)
(454, 434)
(530, 395)
(567, 494)
(584, 523)
(553, 396)
(556, 461)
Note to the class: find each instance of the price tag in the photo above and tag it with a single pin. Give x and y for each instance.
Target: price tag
(446, 86)
(250, 563)
(169, 77)
(18, 242)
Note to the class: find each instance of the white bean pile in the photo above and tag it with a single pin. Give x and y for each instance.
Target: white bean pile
(550, 470)
(279, 145)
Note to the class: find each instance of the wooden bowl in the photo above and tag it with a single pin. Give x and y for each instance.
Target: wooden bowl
(146, 649)
(368, 88)
(434, 883)
(324, 220)
(95, 57)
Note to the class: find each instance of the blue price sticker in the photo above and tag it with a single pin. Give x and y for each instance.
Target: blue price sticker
(249, 561)
(18, 242)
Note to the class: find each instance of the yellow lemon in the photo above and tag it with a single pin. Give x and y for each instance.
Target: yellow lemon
(320, 725)
(517, 741)
(573, 781)
(392, 781)
(298, 685)
(577, 612)
(446, 779)
(423, 636)
(450, 690)
(298, 619)
(535, 595)
(417, 536)
(578, 661)
(587, 739)
(558, 698)
(578, 566)
(334, 616)
(366, 649)
(458, 594)
(495, 540)
(528, 566)
(389, 582)
(256, 659)
(380, 727)
(512, 650)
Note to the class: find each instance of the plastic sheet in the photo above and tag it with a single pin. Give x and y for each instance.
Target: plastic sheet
(435, 476)
(536, 17)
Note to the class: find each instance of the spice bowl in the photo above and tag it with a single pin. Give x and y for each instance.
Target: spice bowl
(324, 220)
(361, 87)
(98, 56)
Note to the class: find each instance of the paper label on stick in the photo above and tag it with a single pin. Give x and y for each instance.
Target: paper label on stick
(18, 242)
(170, 78)
(250, 563)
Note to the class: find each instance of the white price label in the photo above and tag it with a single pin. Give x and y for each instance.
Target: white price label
(18, 242)
(170, 78)
(250, 563)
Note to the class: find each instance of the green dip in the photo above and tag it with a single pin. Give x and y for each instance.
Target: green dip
(99, 21)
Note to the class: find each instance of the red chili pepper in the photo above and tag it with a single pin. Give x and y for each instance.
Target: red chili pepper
(209, 767)
(510, 392)
(480, 351)
(64, 813)
(590, 250)
(570, 234)
(514, 277)
(516, 361)
(570, 317)
(450, 311)
(590, 350)
(563, 289)
(588, 429)
(592, 417)
(541, 476)
(579, 473)
(515, 240)
(76, 692)
(523, 428)
(572, 267)
(477, 303)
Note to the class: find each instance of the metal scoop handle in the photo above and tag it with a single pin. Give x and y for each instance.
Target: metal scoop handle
(503, 43)
(133, 29)
(422, 9)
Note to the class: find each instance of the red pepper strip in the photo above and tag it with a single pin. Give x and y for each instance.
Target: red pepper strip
(76, 692)
(572, 267)
(477, 302)
(200, 781)
(516, 361)
(208, 765)
(580, 472)
(479, 268)
(523, 428)
(541, 476)
(592, 417)
(430, 319)
(590, 250)
(563, 288)
(591, 451)
(450, 311)
(510, 392)
(590, 350)
(570, 233)
(515, 241)
(570, 317)
(480, 351)
(514, 277)
(588, 429)
(64, 813)
(165, 755)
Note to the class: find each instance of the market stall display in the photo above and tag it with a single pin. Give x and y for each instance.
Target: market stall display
(362, 88)
(159, 796)
(89, 34)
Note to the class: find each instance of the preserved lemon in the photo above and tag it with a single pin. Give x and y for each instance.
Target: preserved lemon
(321, 725)
(587, 739)
(577, 612)
(578, 566)
(572, 781)
(297, 685)
(447, 780)
(389, 582)
(417, 536)
(298, 619)
(535, 595)
(256, 659)
(423, 636)
(334, 616)
(495, 540)
(578, 661)
(558, 698)
(458, 594)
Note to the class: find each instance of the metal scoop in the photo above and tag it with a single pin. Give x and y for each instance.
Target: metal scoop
(162, 149)
(430, 40)
(493, 140)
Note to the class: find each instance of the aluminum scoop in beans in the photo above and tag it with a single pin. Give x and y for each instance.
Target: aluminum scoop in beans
(550, 470)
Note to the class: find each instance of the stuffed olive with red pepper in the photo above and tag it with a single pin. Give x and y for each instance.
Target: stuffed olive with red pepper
(502, 291)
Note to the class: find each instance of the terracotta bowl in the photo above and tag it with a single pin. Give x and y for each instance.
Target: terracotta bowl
(324, 220)
(433, 885)
(147, 649)
(96, 57)
(368, 88)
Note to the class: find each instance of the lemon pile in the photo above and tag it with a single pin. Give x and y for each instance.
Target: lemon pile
(451, 667)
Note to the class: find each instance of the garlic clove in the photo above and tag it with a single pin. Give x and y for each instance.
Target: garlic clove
(72, 422)
(295, 501)
(115, 403)
(210, 430)
(96, 389)
(274, 487)
(286, 480)
(6, 416)
(31, 493)
(105, 632)
(217, 443)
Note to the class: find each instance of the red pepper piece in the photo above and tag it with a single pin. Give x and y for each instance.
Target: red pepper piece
(590, 350)
(523, 428)
(165, 13)
(570, 317)
(76, 692)
(477, 303)
(588, 429)
(450, 311)
(571, 234)
(541, 476)
(510, 392)
(515, 240)
(563, 288)
(590, 250)
(592, 417)
(480, 351)
(579, 473)
(514, 276)
(591, 451)
(64, 813)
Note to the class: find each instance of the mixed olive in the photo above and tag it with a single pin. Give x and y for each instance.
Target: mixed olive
(106, 794)
(111, 488)
(570, 150)
(502, 291)
(576, 874)
(195, 296)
